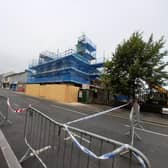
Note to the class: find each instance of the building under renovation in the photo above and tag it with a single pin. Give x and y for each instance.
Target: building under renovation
(72, 66)
(58, 76)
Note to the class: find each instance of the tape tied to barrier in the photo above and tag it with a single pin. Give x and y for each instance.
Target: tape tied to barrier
(18, 110)
(105, 156)
(97, 114)
(86, 150)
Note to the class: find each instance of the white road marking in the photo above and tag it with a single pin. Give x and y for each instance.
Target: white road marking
(149, 131)
(144, 121)
(63, 108)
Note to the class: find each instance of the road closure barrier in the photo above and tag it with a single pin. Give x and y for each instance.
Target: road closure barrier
(15, 110)
(54, 144)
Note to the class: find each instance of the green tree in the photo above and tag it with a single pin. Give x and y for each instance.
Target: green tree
(134, 62)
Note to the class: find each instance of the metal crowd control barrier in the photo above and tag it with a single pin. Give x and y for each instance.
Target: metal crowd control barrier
(134, 119)
(49, 142)
(3, 111)
(131, 131)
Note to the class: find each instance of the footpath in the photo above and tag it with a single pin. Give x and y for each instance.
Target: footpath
(7, 156)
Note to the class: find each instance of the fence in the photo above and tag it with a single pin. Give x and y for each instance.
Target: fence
(3, 110)
(50, 143)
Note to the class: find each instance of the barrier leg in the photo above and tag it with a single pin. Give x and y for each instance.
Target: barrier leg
(137, 136)
(29, 154)
(25, 156)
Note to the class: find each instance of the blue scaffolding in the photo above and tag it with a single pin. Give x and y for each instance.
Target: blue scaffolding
(72, 66)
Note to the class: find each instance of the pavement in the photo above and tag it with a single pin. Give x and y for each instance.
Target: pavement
(7, 157)
(154, 143)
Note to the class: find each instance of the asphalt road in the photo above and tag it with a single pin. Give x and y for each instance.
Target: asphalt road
(153, 144)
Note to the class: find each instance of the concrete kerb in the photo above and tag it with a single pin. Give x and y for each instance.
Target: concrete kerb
(8, 154)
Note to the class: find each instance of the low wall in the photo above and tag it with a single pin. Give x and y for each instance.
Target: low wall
(57, 92)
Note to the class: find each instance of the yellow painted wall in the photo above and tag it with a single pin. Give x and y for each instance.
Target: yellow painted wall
(56, 92)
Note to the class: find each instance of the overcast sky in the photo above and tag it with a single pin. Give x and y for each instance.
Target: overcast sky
(28, 27)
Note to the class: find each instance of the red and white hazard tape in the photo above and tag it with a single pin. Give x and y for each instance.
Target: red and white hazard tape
(18, 110)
